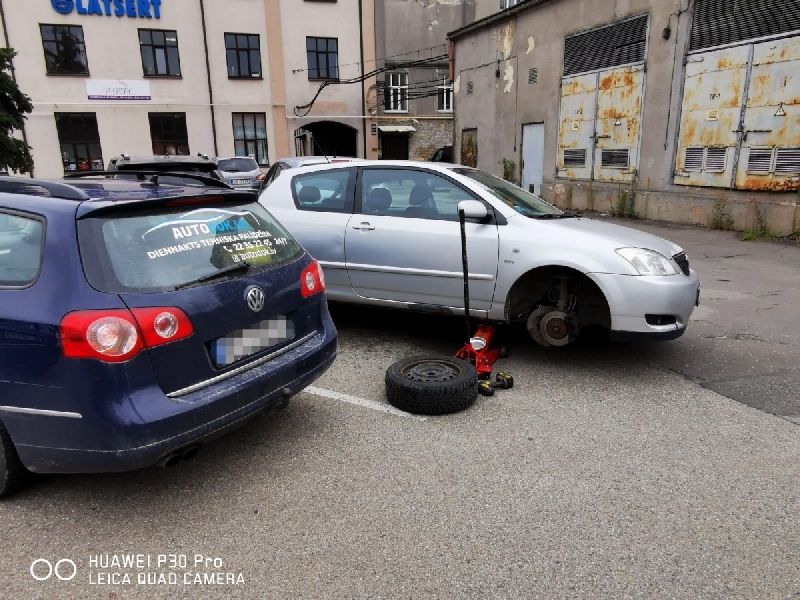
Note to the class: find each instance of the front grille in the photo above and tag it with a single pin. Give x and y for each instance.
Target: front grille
(682, 261)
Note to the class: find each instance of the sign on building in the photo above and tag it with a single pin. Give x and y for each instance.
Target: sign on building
(145, 9)
(117, 89)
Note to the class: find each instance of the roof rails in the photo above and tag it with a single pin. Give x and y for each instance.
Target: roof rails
(41, 187)
(150, 176)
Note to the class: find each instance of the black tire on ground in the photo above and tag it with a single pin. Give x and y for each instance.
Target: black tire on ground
(431, 385)
(503, 351)
(13, 476)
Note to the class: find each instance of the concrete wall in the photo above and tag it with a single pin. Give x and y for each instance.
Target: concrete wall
(499, 106)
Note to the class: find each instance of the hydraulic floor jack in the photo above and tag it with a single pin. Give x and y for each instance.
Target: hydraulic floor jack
(478, 348)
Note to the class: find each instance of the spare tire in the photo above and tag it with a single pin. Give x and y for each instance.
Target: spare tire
(431, 385)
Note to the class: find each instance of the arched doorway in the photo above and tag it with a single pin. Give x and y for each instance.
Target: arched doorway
(326, 137)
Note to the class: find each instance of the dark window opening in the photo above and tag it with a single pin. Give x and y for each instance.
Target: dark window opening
(159, 50)
(79, 141)
(323, 58)
(243, 53)
(64, 49)
(169, 135)
(250, 136)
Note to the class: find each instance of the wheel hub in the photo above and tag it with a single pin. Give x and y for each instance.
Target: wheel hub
(431, 371)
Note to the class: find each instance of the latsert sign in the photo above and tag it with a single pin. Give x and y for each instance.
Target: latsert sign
(117, 89)
(145, 9)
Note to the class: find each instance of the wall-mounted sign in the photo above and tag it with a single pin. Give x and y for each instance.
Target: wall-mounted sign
(374, 129)
(117, 89)
(145, 9)
(712, 115)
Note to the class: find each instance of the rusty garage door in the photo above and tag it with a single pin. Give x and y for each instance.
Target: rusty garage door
(740, 119)
(600, 111)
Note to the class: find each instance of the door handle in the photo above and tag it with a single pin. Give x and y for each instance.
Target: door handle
(364, 227)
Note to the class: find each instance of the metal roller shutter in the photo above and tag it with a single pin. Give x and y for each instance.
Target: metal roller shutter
(723, 22)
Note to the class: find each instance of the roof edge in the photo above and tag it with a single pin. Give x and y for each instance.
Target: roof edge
(502, 15)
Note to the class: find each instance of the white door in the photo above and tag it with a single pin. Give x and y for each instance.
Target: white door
(532, 156)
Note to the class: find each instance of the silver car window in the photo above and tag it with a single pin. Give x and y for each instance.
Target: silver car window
(325, 191)
(523, 202)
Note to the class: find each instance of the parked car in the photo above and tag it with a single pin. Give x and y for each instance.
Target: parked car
(285, 164)
(241, 172)
(387, 234)
(138, 321)
(443, 154)
(199, 165)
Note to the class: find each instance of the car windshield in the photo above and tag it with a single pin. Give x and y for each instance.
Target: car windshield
(521, 201)
(237, 165)
(162, 249)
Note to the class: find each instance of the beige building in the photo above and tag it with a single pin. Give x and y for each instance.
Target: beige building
(216, 77)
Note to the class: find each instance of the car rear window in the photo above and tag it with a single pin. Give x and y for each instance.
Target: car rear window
(20, 250)
(237, 165)
(160, 249)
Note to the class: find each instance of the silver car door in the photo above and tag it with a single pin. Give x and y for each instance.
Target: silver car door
(404, 244)
(320, 207)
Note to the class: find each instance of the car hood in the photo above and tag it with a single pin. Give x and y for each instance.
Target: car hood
(623, 236)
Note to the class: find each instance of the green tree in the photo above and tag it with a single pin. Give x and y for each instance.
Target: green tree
(14, 105)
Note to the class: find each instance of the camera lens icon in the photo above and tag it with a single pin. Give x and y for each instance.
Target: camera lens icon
(42, 569)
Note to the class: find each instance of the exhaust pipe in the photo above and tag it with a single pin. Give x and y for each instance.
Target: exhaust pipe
(170, 460)
(190, 452)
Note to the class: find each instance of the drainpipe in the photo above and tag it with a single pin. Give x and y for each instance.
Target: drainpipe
(208, 74)
(13, 70)
(363, 89)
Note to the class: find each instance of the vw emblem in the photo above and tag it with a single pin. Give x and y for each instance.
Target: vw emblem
(255, 299)
(63, 6)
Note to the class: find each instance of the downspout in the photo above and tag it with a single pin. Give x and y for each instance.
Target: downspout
(363, 88)
(208, 74)
(13, 70)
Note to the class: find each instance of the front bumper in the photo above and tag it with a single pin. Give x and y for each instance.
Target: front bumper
(131, 436)
(631, 298)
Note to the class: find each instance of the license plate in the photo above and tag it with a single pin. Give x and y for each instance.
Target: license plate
(241, 181)
(242, 343)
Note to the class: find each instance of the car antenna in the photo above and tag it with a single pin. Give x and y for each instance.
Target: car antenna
(328, 160)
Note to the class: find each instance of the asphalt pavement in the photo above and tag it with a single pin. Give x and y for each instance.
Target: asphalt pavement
(611, 471)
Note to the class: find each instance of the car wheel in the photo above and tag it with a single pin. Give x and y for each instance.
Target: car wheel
(431, 385)
(13, 475)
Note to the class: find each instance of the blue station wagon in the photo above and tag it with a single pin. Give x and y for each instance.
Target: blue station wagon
(139, 320)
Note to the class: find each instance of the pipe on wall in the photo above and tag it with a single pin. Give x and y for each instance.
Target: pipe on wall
(208, 74)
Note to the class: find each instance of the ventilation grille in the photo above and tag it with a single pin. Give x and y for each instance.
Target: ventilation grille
(610, 46)
(615, 159)
(533, 76)
(788, 160)
(470, 87)
(722, 22)
(760, 160)
(574, 157)
(693, 159)
(715, 160)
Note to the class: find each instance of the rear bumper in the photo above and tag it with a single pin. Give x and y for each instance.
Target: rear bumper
(631, 298)
(132, 441)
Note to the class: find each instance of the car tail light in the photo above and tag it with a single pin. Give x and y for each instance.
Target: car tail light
(312, 281)
(162, 325)
(119, 335)
(261, 176)
(108, 335)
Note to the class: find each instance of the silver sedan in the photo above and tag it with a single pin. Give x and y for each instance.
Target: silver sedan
(387, 234)
(241, 172)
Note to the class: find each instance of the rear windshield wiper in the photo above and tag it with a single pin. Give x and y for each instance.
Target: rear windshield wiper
(242, 266)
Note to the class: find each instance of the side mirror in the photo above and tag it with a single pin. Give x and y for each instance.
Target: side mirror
(473, 209)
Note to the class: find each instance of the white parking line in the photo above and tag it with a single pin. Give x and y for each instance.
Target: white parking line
(371, 404)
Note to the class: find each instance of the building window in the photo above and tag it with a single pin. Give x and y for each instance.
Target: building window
(244, 55)
(250, 136)
(168, 132)
(64, 49)
(445, 90)
(396, 92)
(323, 58)
(79, 141)
(159, 53)
(504, 4)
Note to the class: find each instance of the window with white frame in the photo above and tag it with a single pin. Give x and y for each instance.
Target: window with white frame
(445, 95)
(396, 99)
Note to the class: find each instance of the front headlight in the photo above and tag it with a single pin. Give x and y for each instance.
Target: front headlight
(648, 262)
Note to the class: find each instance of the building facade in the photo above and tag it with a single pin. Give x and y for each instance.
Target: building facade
(678, 110)
(215, 77)
(414, 97)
